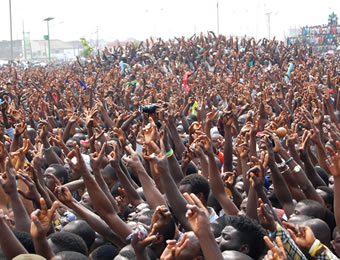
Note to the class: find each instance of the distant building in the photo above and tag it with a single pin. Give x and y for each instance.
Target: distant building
(5, 50)
(322, 38)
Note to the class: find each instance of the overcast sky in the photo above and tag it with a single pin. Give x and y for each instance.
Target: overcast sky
(165, 18)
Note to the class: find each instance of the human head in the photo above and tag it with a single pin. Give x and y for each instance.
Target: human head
(110, 176)
(196, 184)
(239, 233)
(69, 255)
(192, 250)
(235, 255)
(58, 171)
(67, 241)
(309, 208)
(105, 252)
(320, 229)
(82, 229)
(25, 239)
(336, 241)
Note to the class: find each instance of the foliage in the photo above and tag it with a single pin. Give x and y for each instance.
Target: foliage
(88, 50)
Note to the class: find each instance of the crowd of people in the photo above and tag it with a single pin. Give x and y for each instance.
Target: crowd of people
(201, 148)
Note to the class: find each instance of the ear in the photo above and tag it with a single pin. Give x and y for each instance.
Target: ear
(201, 197)
(244, 249)
(332, 244)
(61, 179)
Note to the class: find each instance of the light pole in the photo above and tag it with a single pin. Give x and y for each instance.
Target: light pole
(48, 37)
(218, 19)
(10, 27)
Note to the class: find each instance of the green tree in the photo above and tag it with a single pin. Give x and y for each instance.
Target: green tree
(88, 50)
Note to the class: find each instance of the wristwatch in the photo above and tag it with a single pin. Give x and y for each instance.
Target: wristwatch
(297, 169)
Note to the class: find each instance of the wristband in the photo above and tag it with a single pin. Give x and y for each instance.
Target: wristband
(289, 160)
(285, 170)
(281, 164)
(314, 247)
(170, 153)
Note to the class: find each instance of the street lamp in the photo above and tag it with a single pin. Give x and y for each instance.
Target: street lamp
(10, 26)
(48, 37)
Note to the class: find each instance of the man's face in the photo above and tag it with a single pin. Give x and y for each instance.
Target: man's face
(49, 182)
(336, 244)
(300, 209)
(230, 239)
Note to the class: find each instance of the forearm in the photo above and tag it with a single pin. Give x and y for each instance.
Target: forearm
(22, 220)
(281, 190)
(102, 184)
(75, 185)
(67, 131)
(302, 180)
(107, 120)
(15, 145)
(42, 248)
(127, 123)
(131, 193)
(52, 157)
(179, 146)
(205, 166)
(10, 245)
(252, 204)
(95, 222)
(151, 193)
(312, 175)
(175, 169)
(337, 199)
(175, 198)
(228, 150)
(209, 246)
(322, 157)
(217, 188)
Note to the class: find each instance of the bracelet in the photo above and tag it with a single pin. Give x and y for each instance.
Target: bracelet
(289, 160)
(285, 170)
(281, 164)
(314, 247)
(170, 153)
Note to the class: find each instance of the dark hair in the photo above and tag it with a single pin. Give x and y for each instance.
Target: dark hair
(198, 184)
(250, 232)
(71, 255)
(60, 172)
(110, 172)
(314, 208)
(82, 229)
(168, 230)
(105, 252)
(57, 151)
(25, 239)
(67, 241)
(191, 169)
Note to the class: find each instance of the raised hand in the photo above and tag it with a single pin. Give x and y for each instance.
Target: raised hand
(174, 248)
(7, 179)
(335, 156)
(96, 159)
(302, 235)
(42, 219)
(63, 194)
(275, 252)
(150, 131)
(265, 216)
(18, 157)
(139, 242)
(132, 160)
(32, 193)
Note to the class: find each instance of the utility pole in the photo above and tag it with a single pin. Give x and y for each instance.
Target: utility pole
(48, 37)
(23, 39)
(268, 23)
(10, 28)
(218, 19)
